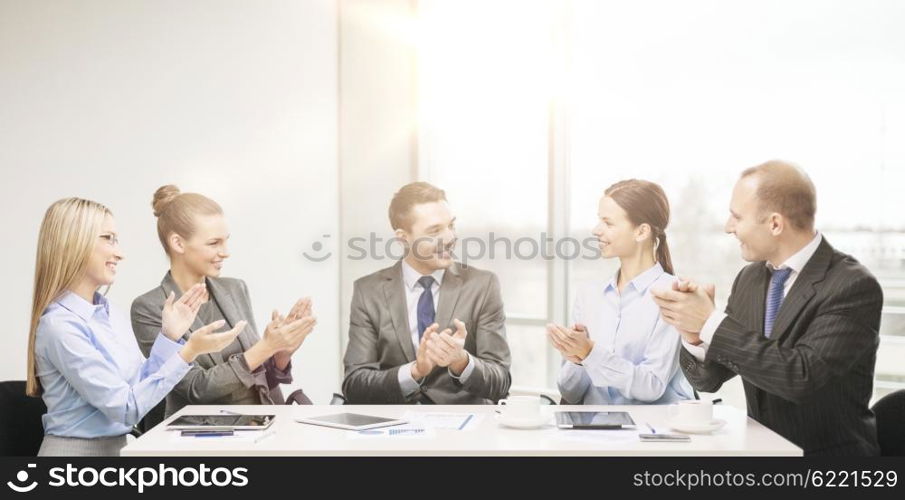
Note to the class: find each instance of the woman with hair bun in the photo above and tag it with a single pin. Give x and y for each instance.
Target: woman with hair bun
(619, 350)
(193, 232)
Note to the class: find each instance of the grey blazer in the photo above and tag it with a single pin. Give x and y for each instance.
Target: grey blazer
(213, 379)
(812, 380)
(380, 340)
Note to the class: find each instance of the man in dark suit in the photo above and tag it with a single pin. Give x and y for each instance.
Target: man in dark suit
(801, 326)
(427, 329)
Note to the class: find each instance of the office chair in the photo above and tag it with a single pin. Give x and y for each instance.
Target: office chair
(21, 430)
(547, 396)
(890, 412)
(151, 419)
(298, 397)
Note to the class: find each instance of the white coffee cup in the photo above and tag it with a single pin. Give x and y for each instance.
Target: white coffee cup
(693, 411)
(520, 407)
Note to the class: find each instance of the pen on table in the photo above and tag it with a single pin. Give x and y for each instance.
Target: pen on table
(264, 436)
(652, 430)
(229, 412)
(717, 401)
(394, 432)
(466, 421)
(206, 433)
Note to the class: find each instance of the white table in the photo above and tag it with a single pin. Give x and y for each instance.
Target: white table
(485, 437)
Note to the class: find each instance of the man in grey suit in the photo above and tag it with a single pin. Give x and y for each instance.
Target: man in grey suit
(801, 326)
(428, 329)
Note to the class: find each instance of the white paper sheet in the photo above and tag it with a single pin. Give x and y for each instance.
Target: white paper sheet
(440, 420)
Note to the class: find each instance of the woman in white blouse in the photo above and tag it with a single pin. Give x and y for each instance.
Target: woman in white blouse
(619, 350)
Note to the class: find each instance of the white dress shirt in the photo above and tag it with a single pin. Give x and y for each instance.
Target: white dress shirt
(635, 358)
(413, 291)
(796, 263)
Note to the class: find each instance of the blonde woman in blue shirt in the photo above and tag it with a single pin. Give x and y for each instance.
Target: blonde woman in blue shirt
(83, 359)
(619, 350)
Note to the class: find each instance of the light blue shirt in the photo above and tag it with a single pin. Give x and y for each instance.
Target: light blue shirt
(96, 382)
(635, 359)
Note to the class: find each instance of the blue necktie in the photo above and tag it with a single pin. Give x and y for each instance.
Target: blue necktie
(425, 305)
(774, 298)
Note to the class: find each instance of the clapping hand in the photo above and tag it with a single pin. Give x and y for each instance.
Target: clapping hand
(178, 315)
(573, 343)
(424, 364)
(205, 340)
(447, 348)
(686, 306)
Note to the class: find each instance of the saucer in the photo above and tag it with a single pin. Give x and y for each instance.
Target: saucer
(523, 423)
(698, 428)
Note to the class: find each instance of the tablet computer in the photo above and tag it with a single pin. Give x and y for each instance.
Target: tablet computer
(351, 421)
(593, 419)
(221, 422)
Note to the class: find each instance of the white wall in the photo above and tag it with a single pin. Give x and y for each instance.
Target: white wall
(378, 147)
(237, 100)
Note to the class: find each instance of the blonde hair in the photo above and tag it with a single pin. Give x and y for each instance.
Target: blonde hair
(65, 242)
(176, 211)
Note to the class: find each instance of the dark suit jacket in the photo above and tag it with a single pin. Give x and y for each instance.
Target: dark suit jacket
(213, 379)
(812, 380)
(380, 339)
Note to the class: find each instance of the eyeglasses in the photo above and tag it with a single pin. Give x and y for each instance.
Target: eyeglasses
(110, 238)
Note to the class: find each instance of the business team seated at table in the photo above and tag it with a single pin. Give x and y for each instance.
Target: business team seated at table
(800, 327)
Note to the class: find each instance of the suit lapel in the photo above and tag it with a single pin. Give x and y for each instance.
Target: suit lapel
(394, 294)
(224, 300)
(449, 295)
(231, 312)
(760, 294)
(803, 289)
